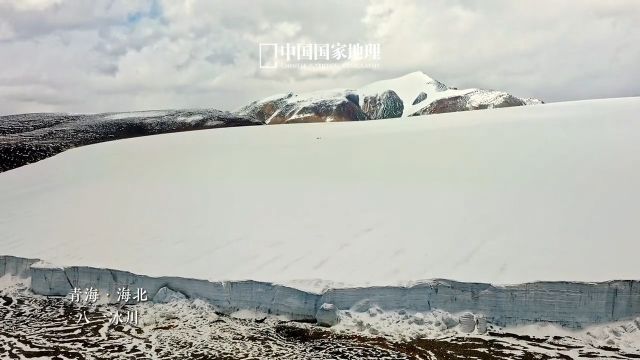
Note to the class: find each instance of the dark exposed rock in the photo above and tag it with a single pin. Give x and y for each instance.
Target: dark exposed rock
(383, 106)
(263, 110)
(506, 101)
(413, 94)
(420, 98)
(465, 102)
(445, 105)
(27, 138)
(324, 111)
(291, 109)
(354, 98)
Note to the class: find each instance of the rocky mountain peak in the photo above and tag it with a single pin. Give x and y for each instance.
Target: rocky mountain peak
(413, 94)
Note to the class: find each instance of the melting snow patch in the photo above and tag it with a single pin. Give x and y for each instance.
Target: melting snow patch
(190, 118)
(136, 114)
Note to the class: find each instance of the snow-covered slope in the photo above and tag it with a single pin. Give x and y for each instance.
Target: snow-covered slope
(413, 94)
(507, 196)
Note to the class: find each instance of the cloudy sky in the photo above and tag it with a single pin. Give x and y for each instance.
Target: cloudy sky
(116, 55)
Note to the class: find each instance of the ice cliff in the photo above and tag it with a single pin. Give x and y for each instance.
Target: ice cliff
(570, 304)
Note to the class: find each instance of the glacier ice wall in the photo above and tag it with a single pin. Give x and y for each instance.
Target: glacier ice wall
(226, 296)
(16, 266)
(569, 304)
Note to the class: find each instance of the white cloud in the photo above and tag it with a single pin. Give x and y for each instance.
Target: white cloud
(113, 55)
(28, 5)
(568, 50)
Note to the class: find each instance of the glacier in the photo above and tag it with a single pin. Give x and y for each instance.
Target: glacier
(569, 304)
(501, 196)
(531, 211)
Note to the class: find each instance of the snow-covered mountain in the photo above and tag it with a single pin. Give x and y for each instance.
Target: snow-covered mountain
(409, 95)
(320, 106)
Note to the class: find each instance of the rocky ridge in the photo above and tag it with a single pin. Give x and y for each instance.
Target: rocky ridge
(27, 138)
(413, 94)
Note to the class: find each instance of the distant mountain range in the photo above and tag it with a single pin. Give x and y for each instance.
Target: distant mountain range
(27, 138)
(409, 95)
